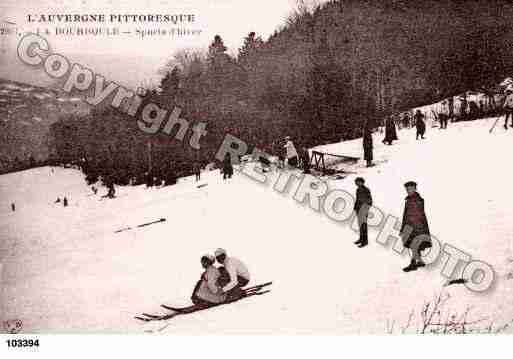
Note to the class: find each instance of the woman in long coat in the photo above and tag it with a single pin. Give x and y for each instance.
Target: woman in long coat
(415, 229)
(420, 124)
(390, 132)
(367, 146)
(227, 167)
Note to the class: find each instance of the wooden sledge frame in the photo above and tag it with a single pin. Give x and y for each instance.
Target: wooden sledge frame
(317, 160)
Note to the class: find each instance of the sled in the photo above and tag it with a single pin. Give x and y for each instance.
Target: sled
(247, 292)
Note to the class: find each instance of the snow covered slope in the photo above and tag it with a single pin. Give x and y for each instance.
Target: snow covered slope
(65, 270)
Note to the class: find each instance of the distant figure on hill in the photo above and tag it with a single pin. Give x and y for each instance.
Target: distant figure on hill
(65, 202)
(450, 106)
(463, 108)
(406, 120)
(227, 167)
(305, 159)
(443, 115)
(508, 107)
(420, 124)
(196, 169)
(292, 157)
(367, 145)
(111, 193)
(13, 207)
(473, 111)
(390, 132)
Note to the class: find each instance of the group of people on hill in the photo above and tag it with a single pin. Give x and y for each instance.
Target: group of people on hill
(390, 135)
(287, 154)
(414, 230)
(64, 201)
(222, 283)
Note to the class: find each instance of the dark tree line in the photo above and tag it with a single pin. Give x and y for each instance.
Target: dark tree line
(319, 78)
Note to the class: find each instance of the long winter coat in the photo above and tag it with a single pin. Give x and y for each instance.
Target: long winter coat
(390, 132)
(206, 289)
(227, 166)
(367, 145)
(363, 197)
(415, 218)
(420, 124)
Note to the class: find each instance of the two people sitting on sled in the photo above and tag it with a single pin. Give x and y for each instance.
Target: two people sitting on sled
(220, 284)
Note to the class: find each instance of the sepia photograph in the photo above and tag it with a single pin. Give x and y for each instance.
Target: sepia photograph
(238, 168)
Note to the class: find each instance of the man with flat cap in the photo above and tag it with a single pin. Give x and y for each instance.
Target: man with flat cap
(361, 207)
(415, 229)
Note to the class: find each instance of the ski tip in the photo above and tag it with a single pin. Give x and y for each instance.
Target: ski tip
(173, 309)
(143, 319)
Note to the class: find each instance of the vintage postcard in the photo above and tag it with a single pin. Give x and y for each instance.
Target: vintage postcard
(201, 167)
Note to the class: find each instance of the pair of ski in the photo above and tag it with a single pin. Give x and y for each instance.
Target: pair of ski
(246, 292)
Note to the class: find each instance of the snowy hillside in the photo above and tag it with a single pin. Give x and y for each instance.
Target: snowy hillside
(65, 270)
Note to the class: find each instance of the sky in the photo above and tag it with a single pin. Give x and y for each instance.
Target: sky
(128, 58)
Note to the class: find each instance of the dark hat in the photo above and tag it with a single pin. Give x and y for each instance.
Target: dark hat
(359, 179)
(410, 184)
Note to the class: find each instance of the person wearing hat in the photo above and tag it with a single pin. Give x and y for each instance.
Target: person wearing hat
(443, 115)
(420, 124)
(305, 159)
(367, 145)
(414, 229)
(207, 292)
(233, 275)
(292, 157)
(361, 207)
(508, 106)
(227, 167)
(390, 131)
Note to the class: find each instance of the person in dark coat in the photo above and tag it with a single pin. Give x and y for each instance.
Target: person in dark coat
(227, 167)
(65, 202)
(305, 159)
(420, 124)
(463, 108)
(508, 107)
(13, 207)
(406, 120)
(196, 169)
(361, 207)
(390, 132)
(415, 228)
(450, 105)
(443, 115)
(367, 146)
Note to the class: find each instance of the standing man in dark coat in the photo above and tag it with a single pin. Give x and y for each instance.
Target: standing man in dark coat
(450, 105)
(406, 120)
(508, 106)
(305, 159)
(420, 124)
(390, 132)
(443, 115)
(196, 169)
(367, 145)
(361, 207)
(227, 167)
(415, 228)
